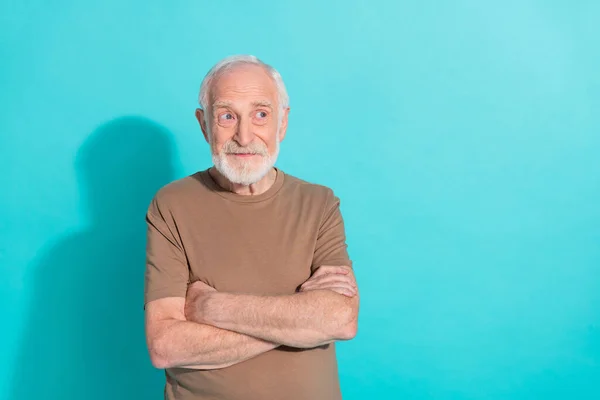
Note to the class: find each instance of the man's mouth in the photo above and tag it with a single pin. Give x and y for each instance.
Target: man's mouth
(243, 154)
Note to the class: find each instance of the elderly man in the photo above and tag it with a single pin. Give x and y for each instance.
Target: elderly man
(248, 280)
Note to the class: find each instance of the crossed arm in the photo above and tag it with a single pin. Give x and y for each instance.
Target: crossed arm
(210, 329)
(175, 342)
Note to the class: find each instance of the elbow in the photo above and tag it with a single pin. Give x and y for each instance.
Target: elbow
(348, 324)
(158, 361)
(348, 331)
(158, 355)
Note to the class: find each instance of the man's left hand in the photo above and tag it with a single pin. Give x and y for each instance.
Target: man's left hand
(196, 299)
(338, 279)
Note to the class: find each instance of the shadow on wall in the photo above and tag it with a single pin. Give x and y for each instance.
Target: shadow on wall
(84, 336)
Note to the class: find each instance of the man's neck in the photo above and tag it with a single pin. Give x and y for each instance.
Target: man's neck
(251, 190)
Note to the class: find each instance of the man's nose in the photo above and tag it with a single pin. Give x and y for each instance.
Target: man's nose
(244, 135)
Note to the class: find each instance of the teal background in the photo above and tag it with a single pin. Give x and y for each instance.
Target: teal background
(463, 138)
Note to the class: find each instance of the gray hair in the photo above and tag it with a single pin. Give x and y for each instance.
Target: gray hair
(233, 61)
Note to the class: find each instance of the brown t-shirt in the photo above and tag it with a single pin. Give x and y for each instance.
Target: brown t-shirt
(266, 244)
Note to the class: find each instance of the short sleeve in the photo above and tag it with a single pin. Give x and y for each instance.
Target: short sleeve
(331, 247)
(167, 273)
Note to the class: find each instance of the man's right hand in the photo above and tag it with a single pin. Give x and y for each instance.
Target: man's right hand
(334, 278)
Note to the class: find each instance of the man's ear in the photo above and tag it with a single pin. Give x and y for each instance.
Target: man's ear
(284, 123)
(202, 122)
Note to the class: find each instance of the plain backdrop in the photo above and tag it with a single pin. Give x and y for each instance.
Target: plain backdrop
(463, 138)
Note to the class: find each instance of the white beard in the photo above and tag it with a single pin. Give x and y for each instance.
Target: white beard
(243, 172)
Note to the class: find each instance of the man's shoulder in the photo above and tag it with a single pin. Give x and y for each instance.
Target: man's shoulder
(179, 189)
(305, 188)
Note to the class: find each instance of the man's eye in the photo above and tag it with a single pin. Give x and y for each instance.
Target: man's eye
(261, 114)
(226, 116)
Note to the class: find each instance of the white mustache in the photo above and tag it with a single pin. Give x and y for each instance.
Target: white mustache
(232, 148)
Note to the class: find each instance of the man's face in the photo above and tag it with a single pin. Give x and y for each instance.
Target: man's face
(242, 123)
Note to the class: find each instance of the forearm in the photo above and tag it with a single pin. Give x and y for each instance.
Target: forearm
(305, 320)
(189, 344)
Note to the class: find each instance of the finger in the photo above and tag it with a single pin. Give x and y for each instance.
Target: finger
(306, 286)
(346, 291)
(331, 269)
(343, 291)
(200, 285)
(328, 277)
(350, 288)
(336, 269)
(331, 278)
(328, 286)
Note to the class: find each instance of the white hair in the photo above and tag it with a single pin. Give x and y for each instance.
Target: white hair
(233, 61)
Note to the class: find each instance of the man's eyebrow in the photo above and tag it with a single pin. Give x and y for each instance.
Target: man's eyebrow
(221, 103)
(262, 103)
(227, 104)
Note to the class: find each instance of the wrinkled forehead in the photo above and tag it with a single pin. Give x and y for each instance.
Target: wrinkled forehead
(244, 84)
